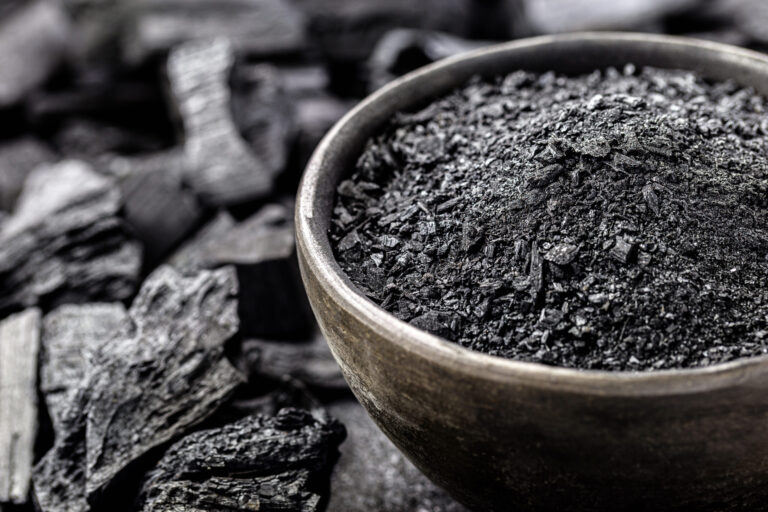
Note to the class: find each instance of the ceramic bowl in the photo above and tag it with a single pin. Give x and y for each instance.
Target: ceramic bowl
(504, 435)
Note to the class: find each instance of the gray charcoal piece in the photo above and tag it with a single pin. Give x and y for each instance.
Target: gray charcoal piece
(34, 40)
(19, 345)
(268, 463)
(348, 30)
(157, 206)
(17, 159)
(144, 390)
(310, 362)
(373, 475)
(257, 28)
(264, 114)
(223, 169)
(554, 16)
(70, 333)
(400, 51)
(272, 302)
(65, 241)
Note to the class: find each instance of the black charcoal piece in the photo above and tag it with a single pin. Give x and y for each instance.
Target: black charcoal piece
(145, 389)
(222, 167)
(571, 15)
(611, 221)
(157, 206)
(315, 115)
(19, 345)
(347, 30)
(373, 475)
(272, 302)
(265, 115)
(499, 20)
(403, 50)
(310, 362)
(65, 241)
(93, 141)
(269, 463)
(33, 41)
(17, 159)
(70, 333)
(257, 28)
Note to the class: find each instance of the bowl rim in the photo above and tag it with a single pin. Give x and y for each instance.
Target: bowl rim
(315, 252)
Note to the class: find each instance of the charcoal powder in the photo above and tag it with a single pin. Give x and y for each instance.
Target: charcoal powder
(613, 221)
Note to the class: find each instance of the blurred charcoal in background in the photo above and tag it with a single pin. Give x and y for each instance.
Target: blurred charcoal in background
(149, 155)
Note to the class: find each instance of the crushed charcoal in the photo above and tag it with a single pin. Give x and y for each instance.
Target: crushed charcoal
(310, 362)
(222, 167)
(69, 334)
(629, 205)
(144, 389)
(17, 159)
(257, 28)
(279, 462)
(33, 42)
(403, 50)
(373, 475)
(262, 249)
(19, 346)
(157, 206)
(65, 241)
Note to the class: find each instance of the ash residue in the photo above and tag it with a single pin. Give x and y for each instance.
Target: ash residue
(611, 221)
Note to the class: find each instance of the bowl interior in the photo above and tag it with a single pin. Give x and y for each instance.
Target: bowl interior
(567, 54)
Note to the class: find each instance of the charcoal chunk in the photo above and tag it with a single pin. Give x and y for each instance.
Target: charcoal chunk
(258, 463)
(347, 30)
(144, 390)
(33, 41)
(310, 362)
(272, 303)
(552, 16)
(65, 242)
(258, 28)
(19, 344)
(223, 170)
(373, 475)
(403, 50)
(17, 159)
(70, 333)
(157, 206)
(315, 115)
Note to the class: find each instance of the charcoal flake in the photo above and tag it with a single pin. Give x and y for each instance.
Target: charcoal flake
(19, 345)
(65, 242)
(258, 463)
(223, 170)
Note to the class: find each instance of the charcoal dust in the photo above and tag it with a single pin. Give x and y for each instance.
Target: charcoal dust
(612, 221)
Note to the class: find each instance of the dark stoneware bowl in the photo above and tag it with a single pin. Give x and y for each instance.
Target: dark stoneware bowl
(507, 435)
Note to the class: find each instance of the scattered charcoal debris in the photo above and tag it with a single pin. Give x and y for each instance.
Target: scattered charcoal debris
(222, 168)
(612, 221)
(17, 159)
(65, 241)
(19, 345)
(157, 206)
(261, 462)
(403, 50)
(257, 28)
(373, 475)
(310, 362)
(33, 42)
(69, 334)
(145, 389)
(262, 248)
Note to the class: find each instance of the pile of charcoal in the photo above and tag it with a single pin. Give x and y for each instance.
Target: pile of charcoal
(157, 351)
